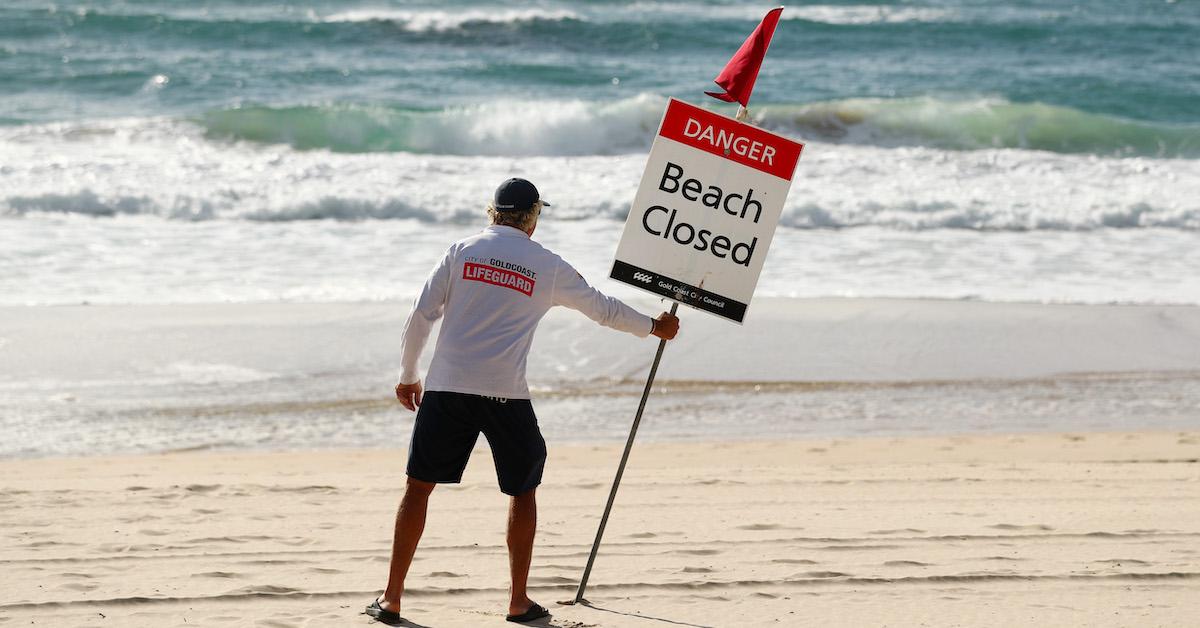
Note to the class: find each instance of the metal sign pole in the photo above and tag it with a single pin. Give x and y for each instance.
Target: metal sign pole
(612, 494)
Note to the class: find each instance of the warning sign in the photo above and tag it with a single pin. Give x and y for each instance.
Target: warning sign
(706, 210)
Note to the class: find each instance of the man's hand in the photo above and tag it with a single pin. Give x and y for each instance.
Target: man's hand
(666, 326)
(409, 394)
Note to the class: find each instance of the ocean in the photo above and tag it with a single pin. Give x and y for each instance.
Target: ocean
(227, 151)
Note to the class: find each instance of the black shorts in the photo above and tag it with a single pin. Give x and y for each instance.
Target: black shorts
(448, 424)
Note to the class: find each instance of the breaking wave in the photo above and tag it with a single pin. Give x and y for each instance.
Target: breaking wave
(289, 165)
(578, 127)
(440, 21)
(982, 123)
(501, 128)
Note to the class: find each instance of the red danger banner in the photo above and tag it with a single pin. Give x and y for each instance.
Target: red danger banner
(721, 136)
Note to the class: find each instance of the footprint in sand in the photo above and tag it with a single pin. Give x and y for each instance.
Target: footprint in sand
(822, 574)
(898, 531)
(695, 570)
(40, 544)
(217, 574)
(138, 519)
(794, 561)
(1117, 562)
(1010, 526)
(552, 580)
(78, 586)
(642, 535)
(268, 589)
(905, 563)
(760, 526)
(311, 488)
(296, 541)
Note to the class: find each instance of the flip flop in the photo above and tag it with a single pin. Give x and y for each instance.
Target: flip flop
(537, 611)
(392, 618)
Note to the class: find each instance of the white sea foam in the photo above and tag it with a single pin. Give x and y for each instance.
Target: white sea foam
(134, 259)
(440, 20)
(168, 169)
(152, 211)
(207, 373)
(850, 15)
(867, 14)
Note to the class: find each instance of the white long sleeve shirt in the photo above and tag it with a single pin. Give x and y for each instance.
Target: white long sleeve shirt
(493, 288)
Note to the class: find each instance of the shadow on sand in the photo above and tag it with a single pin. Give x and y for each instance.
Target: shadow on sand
(664, 620)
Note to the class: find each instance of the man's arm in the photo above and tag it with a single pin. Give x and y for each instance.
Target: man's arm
(571, 290)
(427, 309)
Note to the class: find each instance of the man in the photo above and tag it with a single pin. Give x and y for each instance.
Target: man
(491, 289)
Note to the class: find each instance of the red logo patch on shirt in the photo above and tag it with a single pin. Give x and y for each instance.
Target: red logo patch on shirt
(498, 277)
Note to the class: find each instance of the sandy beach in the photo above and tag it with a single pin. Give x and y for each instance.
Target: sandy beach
(1049, 529)
(852, 462)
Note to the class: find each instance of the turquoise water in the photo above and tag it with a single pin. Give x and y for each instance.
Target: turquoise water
(1101, 77)
(222, 150)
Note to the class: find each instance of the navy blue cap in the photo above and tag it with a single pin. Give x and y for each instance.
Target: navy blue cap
(516, 195)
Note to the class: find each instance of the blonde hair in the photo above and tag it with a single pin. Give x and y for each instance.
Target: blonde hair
(523, 220)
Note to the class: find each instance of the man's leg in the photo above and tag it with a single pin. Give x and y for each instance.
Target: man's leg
(410, 523)
(522, 524)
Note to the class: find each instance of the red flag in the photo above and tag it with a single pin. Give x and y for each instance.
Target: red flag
(737, 79)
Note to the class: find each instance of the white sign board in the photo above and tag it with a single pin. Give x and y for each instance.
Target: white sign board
(706, 210)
